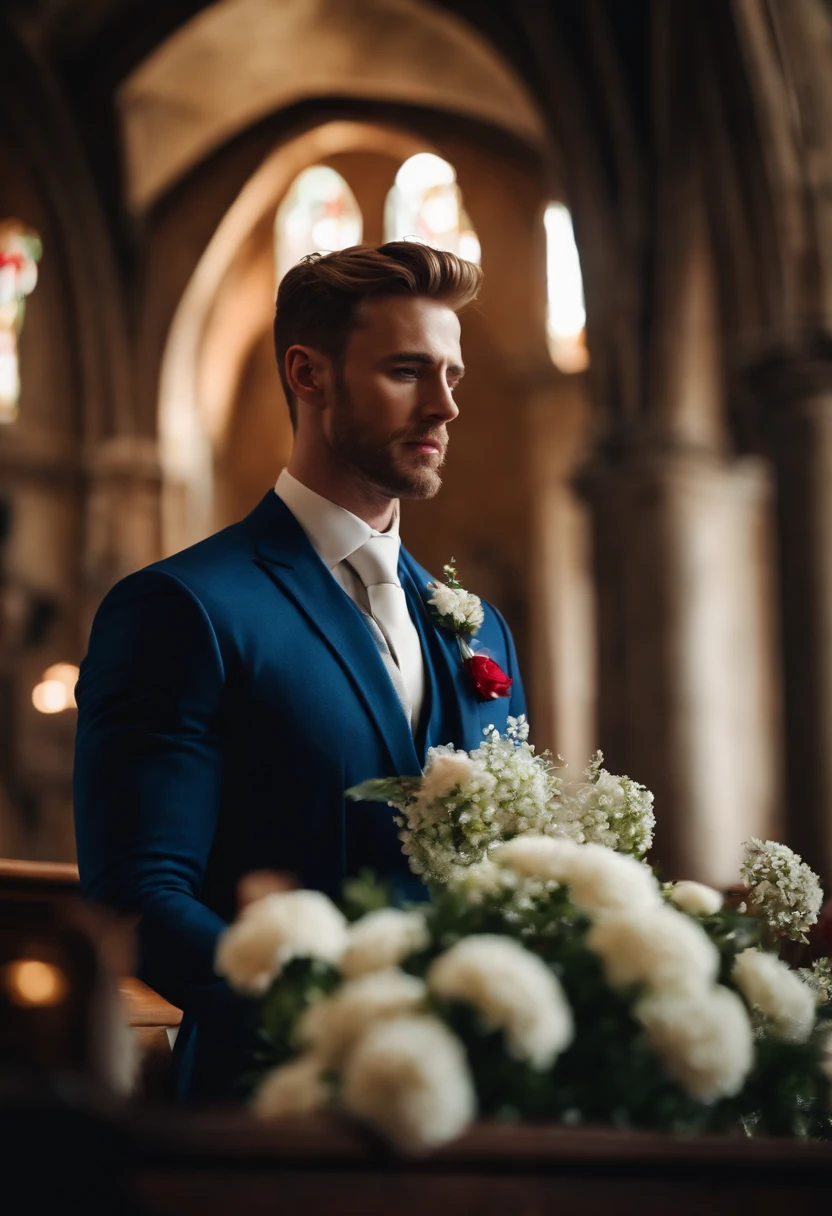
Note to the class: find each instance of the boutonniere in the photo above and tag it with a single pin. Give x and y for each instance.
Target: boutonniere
(457, 610)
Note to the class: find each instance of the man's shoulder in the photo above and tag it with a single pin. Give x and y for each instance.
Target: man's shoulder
(217, 565)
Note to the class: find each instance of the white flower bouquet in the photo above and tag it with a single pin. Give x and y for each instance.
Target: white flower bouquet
(549, 976)
(467, 803)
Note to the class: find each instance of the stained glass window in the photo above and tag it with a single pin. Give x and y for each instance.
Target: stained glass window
(565, 314)
(19, 254)
(318, 215)
(425, 204)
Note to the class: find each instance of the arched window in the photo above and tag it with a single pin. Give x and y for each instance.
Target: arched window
(425, 204)
(565, 313)
(19, 255)
(318, 215)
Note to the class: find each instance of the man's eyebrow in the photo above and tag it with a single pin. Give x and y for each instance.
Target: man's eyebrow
(419, 356)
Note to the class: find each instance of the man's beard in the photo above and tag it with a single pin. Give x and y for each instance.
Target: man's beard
(377, 464)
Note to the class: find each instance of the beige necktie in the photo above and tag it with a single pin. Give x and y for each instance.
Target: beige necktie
(376, 564)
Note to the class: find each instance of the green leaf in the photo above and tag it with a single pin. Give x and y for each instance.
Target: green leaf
(396, 790)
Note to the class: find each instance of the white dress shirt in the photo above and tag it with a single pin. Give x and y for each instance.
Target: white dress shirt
(334, 534)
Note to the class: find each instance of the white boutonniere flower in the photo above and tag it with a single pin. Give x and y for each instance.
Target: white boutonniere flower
(457, 610)
(454, 608)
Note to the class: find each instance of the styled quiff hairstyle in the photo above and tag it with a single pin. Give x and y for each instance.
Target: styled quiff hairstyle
(319, 300)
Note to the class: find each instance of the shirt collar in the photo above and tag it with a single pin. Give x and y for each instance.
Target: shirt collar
(333, 532)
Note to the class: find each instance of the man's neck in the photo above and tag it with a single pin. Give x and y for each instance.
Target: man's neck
(349, 492)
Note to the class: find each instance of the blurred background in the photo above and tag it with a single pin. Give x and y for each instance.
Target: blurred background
(641, 475)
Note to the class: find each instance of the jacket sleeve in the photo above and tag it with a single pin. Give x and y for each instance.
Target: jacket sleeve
(147, 779)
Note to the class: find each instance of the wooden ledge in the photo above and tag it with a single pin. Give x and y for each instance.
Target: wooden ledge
(145, 1007)
(59, 874)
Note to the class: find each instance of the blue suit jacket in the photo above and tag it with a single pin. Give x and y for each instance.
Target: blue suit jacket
(230, 694)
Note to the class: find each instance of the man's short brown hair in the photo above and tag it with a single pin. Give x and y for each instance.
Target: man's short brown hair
(318, 300)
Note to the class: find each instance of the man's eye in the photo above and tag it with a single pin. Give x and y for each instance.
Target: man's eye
(407, 373)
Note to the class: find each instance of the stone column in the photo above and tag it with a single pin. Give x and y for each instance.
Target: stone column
(123, 529)
(793, 396)
(686, 702)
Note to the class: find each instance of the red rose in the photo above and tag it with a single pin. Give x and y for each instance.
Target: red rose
(488, 677)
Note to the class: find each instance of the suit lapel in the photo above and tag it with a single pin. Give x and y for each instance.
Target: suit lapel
(451, 688)
(284, 552)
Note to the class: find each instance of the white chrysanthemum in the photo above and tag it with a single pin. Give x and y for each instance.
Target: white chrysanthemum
(784, 890)
(535, 856)
(331, 1026)
(602, 881)
(512, 989)
(290, 924)
(382, 939)
(409, 1078)
(704, 1039)
(658, 947)
(445, 771)
(599, 880)
(780, 996)
(293, 1089)
(695, 898)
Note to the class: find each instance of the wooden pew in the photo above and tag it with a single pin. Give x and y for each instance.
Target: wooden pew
(27, 889)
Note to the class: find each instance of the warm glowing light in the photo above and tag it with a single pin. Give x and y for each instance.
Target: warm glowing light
(424, 170)
(425, 204)
(49, 697)
(31, 982)
(66, 673)
(566, 315)
(318, 215)
(56, 691)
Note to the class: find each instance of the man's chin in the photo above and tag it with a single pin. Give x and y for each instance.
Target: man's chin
(427, 487)
(417, 480)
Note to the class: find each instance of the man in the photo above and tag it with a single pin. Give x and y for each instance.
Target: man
(234, 691)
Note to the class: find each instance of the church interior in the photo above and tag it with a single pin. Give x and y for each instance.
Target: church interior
(641, 473)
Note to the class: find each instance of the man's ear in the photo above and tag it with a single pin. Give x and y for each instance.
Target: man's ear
(306, 371)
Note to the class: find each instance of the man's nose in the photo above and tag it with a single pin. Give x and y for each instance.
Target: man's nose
(441, 404)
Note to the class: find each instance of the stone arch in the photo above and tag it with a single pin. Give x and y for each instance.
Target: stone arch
(263, 57)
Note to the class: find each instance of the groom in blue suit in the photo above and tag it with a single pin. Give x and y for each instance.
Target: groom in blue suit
(233, 692)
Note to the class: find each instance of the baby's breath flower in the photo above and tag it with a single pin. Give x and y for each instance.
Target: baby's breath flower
(613, 811)
(467, 805)
(785, 892)
(819, 978)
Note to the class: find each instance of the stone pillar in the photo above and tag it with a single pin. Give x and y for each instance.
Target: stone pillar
(123, 530)
(686, 702)
(793, 397)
